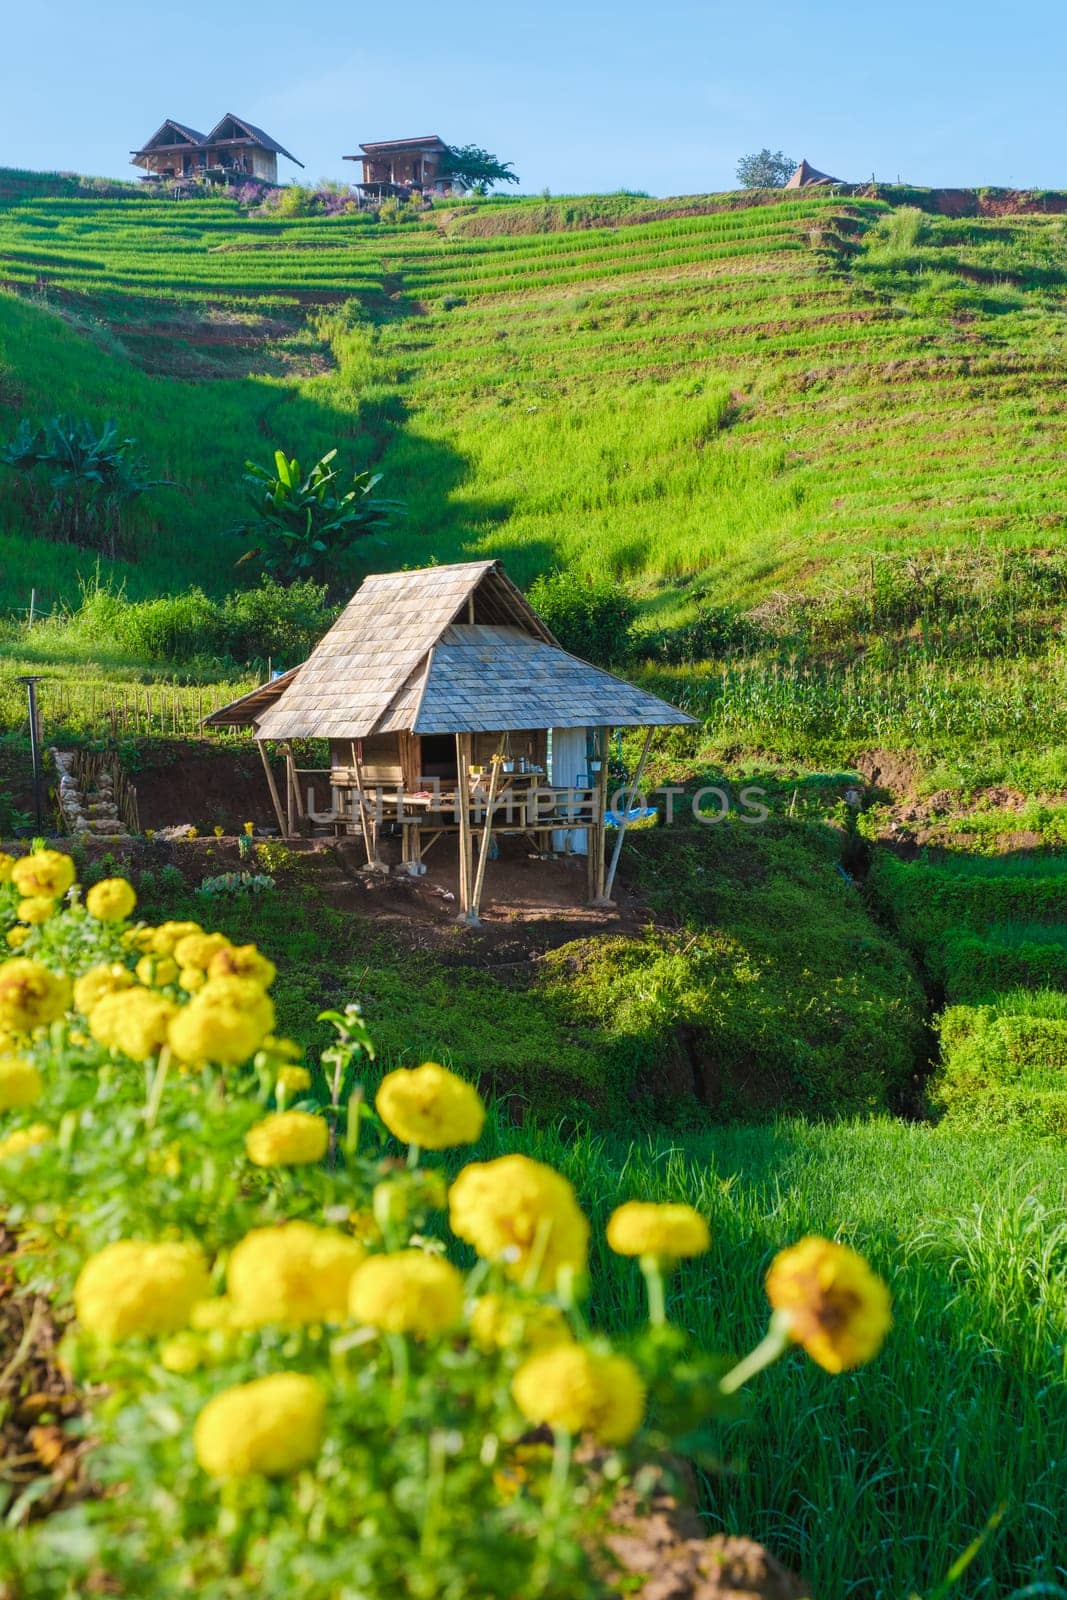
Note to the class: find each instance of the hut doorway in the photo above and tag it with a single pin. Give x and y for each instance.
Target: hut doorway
(438, 758)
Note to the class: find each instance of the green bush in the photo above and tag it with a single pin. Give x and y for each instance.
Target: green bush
(713, 632)
(974, 966)
(778, 994)
(282, 622)
(593, 620)
(929, 899)
(1042, 1113)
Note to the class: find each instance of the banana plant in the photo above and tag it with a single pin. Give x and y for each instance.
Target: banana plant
(92, 475)
(303, 521)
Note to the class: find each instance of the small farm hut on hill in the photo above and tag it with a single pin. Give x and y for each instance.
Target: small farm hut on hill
(399, 166)
(233, 149)
(809, 177)
(450, 708)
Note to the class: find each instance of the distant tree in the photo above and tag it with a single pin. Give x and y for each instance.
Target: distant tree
(476, 168)
(303, 520)
(767, 169)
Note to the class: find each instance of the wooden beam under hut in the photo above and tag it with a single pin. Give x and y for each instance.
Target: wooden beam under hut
(272, 786)
(466, 852)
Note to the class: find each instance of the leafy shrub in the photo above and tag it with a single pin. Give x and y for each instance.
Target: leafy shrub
(928, 899)
(275, 620)
(779, 994)
(592, 619)
(975, 966)
(715, 631)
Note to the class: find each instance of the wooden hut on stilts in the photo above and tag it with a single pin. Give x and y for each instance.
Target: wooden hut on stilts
(450, 709)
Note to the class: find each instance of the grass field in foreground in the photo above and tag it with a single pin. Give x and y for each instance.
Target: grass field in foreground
(873, 1483)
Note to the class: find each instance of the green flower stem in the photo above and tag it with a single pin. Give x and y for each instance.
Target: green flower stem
(552, 1510)
(654, 1283)
(414, 1155)
(155, 1093)
(435, 1491)
(398, 1354)
(356, 1103)
(774, 1344)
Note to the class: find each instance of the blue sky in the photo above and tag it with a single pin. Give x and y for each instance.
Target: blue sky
(580, 97)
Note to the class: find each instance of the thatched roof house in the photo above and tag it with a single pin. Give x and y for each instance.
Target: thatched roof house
(809, 177)
(443, 695)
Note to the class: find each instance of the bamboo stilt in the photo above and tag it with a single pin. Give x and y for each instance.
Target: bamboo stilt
(463, 744)
(632, 791)
(272, 786)
(483, 853)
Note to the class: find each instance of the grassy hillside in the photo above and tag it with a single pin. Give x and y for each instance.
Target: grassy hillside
(757, 397)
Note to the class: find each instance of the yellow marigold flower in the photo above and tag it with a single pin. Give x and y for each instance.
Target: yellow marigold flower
(23, 1139)
(133, 1288)
(271, 1426)
(224, 1022)
(208, 1316)
(242, 961)
(641, 1228)
(409, 1292)
(293, 1274)
(6, 864)
(287, 1139)
(182, 1354)
(155, 972)
(20, 1083)
(46, 873)
(836, 1307)
(30, 995)
(291, 1080)
(17, 936)
(196, 949)
(111, 900)
(579, 1390)
(99, 981)
(191, 979)
(430, 1106)
(523, 1214)
(132, 1021)
(35, 910)
(504, 1322)
(164, 940)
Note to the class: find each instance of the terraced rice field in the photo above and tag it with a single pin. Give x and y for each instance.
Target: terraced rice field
(744, 396)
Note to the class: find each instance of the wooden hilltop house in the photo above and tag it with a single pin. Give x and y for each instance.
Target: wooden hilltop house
(450, 709)
(404, 166)
(234, 149)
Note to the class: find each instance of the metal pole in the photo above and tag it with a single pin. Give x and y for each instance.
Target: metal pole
(35, 749)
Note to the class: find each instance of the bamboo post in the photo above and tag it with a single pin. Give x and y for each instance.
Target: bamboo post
(290, 790)
(370, 838)
(600, 806)
(483, 853)
(463, 741)
(272, 786)
(632, 792)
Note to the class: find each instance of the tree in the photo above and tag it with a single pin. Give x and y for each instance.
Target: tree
(304, 521)
(475, 168)
(92, 476)
(767, 169)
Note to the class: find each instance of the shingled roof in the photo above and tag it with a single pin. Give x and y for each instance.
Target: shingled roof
(256, 135)
(454, 649)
